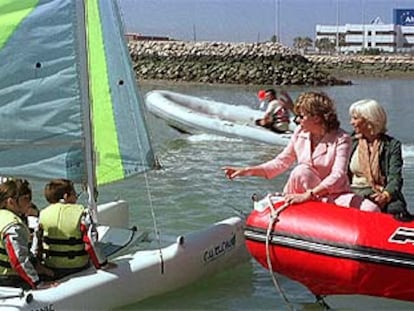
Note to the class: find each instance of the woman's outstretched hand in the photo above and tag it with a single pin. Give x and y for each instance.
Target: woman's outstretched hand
(233, 172)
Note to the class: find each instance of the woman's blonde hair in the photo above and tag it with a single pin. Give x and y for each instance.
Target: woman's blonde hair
(318, 104)
(372, 112)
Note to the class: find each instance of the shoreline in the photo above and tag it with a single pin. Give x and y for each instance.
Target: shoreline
(341, 75)
(371, 66)
(384, 75)
(259, 64)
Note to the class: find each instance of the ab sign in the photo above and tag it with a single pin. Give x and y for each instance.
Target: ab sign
(404, 17)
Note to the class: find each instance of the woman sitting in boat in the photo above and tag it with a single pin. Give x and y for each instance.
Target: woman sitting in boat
(276, 117)
(322, 150)
(68, 245)
(376, 163)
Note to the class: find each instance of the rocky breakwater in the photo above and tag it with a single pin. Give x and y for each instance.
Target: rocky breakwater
(366, 65)
(223, 62)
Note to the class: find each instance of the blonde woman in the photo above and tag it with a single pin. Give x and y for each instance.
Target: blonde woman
(376, 162)
(321, 149)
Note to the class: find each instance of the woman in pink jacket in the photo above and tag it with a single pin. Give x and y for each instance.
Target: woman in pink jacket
(321, 149)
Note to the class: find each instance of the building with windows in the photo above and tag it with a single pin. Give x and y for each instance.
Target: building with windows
(131, 36)
(396, 37)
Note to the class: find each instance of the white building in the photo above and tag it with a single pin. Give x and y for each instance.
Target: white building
(407, 38)
(376, 35)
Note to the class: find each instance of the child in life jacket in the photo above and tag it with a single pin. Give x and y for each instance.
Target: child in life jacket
(18, 267)
(69, 235)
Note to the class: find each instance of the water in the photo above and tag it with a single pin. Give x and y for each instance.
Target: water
(190, 192)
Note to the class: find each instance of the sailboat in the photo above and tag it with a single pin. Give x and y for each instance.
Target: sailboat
(70, 108)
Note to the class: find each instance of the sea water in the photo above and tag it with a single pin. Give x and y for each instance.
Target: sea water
(190, 192)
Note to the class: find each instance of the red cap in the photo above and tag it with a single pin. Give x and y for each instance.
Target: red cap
(261, 94)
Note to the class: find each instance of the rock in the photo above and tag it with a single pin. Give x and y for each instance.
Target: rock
(253, 63)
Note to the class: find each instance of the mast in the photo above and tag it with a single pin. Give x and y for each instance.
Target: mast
(278, 21)
(337, 26)
(87, 120)
(363, 26)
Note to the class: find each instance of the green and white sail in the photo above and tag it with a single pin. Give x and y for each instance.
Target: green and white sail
(68, 95)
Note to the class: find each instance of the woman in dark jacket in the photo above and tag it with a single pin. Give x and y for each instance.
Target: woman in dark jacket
(376, 162)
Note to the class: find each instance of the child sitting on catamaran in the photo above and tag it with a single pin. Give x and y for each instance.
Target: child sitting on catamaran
(18, 268)
(68, 232)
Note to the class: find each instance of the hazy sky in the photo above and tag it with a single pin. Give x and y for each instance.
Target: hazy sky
(249, 20)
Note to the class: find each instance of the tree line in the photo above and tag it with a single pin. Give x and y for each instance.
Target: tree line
(304, 43)
(322, 44)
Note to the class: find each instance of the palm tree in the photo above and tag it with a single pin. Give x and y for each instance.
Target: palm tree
(302, 43)
(325, 45)
(342, 40)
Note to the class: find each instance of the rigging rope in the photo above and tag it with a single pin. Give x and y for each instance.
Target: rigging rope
(274, 214)
(147, 185)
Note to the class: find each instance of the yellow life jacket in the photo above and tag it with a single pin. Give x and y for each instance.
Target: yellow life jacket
(63, 247)
(7, 219)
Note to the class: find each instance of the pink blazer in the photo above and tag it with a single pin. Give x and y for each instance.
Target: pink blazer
(329, 159)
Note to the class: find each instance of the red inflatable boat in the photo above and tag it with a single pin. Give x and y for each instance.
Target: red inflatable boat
(334, 250)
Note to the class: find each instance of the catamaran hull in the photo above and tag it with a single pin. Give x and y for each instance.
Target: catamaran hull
(334, 250)
(194, 115)
(142, 274)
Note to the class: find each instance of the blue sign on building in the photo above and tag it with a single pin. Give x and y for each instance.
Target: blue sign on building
(404, 17)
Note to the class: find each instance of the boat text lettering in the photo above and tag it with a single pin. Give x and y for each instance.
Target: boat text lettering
(402, 235)
(50, 307)
(220, 249)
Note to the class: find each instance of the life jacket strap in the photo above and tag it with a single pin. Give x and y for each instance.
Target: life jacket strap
(5, 264)
(69, 241)
(68, 254)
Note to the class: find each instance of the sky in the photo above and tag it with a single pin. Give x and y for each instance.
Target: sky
(250, 20)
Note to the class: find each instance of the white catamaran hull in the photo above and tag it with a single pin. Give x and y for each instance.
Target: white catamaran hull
(194, 115)
(140, 275)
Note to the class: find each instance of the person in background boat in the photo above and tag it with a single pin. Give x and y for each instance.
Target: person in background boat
(69, 239)
(18, 267)
(276, 117)
(375, 168)
(322, 151)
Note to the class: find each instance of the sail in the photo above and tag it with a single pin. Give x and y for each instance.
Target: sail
(68, 95)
